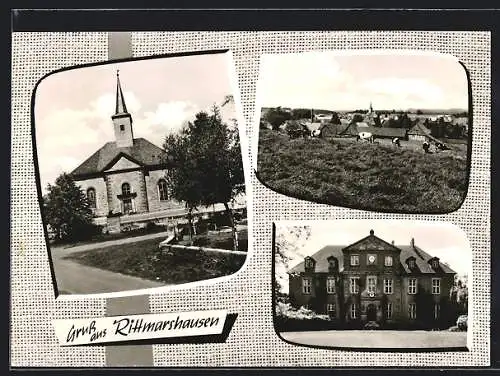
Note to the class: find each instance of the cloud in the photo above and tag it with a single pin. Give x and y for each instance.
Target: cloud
(400, 91)
(302, 80)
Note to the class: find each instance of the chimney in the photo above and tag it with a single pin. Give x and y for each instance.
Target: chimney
(392, 242)
(372, 232)
(412, 242)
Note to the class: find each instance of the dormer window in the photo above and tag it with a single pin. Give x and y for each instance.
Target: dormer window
(434, 263)
(410, 261)
(309, 264)
(332, 264)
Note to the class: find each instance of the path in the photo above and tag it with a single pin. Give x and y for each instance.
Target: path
(75, 278)
(378, 338)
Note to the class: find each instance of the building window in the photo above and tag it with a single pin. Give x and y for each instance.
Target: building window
(388, 261)
(306, 285)
(125, 189)
(436, 286)
(354, 260)
(330, 309)
(371, 282)
(162, 190)
(437, 309)
(354, 311)
(388, 284)
(330, 285)
(412, 286)
(354, 285)
(411, 263)
(122, 127)
(91, 197)
(388, 311)
(332, 263)
(412, 311)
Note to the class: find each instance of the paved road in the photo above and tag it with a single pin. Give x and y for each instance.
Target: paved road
(378, 338)
(74, 278)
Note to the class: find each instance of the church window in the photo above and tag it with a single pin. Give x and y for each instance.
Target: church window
(125, 189)
(162, 190)
(91, 197)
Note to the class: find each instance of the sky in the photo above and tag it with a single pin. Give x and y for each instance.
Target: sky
(73, 108)
(440, 239)
(342, 82)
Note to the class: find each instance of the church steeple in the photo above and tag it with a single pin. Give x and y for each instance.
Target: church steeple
(122, 120)
(121, 107)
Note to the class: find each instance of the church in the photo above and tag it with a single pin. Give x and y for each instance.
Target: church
(377, 282)
(125, 177)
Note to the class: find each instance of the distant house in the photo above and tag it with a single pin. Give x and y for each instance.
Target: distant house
(373, 280)
(355, 128)
(334, 130)
(419, 132)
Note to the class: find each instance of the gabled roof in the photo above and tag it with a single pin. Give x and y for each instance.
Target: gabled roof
(143, 152)
(354, 129)
(419, 129)
(421, 259)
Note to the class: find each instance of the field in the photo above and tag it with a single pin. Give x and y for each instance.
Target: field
(143, 259)
(389, 339)
(361, 175)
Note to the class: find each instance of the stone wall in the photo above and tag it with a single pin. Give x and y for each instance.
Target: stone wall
(101, 194)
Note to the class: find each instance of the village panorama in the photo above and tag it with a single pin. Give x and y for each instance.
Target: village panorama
(371, 158)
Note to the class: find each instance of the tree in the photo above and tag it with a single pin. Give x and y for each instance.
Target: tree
(204, 165)
(66, 209)
(276, 117)
(335, 118)
(289, 240)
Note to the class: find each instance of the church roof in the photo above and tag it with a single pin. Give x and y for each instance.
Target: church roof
(421, 258)
(143, 153)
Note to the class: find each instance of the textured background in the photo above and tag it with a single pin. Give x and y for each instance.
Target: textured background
(252, 341)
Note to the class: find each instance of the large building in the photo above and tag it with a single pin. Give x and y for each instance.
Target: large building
(125, 179)
(372, 280)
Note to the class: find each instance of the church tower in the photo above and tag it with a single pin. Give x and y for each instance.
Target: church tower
(122, 120)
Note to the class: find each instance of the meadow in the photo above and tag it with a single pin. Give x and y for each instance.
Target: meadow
(361, 175)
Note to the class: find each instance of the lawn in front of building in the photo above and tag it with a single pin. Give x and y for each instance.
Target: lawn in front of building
(389, 339)
(143, 259)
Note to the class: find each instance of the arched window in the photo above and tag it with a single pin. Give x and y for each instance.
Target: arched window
(91, 197)
(122, 127)
(125, 189)
(162, 190)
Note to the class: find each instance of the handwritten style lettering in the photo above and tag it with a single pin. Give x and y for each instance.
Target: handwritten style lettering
(128, 326)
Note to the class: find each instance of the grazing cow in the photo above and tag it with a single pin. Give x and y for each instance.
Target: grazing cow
(316, 133)
(426, 146)
(396, 141)
(365, 136)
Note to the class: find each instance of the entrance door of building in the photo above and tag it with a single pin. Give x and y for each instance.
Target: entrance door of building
(371, 312)
(127, 206)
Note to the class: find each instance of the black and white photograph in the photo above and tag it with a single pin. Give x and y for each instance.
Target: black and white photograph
(371, 130)
(372, 284)
(141, 176)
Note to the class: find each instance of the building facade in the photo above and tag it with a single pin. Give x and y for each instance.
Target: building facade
(372, 280)
(125, 176)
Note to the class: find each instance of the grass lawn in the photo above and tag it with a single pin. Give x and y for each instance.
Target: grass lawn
(362, 175)
(418, 339)
(143, 259)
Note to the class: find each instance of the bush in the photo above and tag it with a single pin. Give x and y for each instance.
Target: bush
(201, 241)
(151, 226)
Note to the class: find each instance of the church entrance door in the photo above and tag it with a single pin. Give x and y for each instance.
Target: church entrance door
(371, 312)
(127, 205)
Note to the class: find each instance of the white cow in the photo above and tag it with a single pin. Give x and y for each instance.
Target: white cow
(316, 133)
(365, 136)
